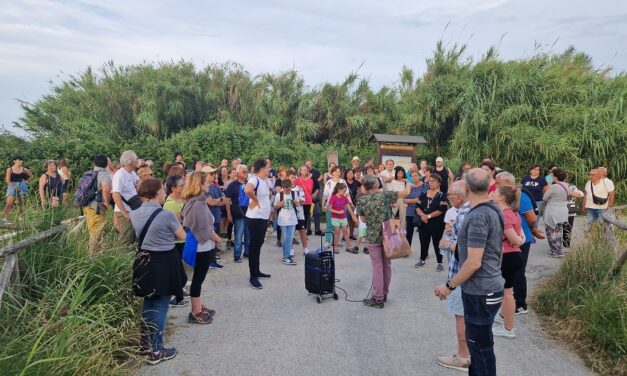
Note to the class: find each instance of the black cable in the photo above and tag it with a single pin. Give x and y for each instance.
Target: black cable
(346, 293)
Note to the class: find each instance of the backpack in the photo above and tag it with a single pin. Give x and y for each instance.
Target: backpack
(87, 189)
(242, 199)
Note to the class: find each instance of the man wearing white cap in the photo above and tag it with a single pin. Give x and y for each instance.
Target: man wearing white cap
(355, 162)
(444, 172)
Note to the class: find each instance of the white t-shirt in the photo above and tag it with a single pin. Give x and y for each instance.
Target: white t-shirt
(602, 189)
(449, 218)
(387, 174)
(123, 182)
(329, 186)
(262, 211)
(286, 215)
(398, 185)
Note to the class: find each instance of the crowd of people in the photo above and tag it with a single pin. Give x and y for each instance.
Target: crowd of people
(482, 219)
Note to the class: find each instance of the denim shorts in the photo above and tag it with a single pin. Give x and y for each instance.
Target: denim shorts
(454, 303)
(593, 215)
(22, 186)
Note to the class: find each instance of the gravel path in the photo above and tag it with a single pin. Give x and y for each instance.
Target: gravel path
(280, 330)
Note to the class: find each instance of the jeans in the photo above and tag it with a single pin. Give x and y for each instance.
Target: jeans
(328, 236)
(241, 231)
(520, 279)
(288, 234)
(594, 215)
(479, 312)
(257, 228)
(154, 313)
(381, 271)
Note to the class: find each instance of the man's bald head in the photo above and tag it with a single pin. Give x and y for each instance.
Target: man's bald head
(478, 180)
(505, 179)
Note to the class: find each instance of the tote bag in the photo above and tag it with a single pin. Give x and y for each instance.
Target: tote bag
(395, 244)
(189, 251)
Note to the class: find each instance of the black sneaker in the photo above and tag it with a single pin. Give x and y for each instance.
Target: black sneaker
(354, 250)
(210, 312)
(229, 243)
(366, 251)
(156, 357)
(319, 233)
(175, 304)
(295, 242)
(521, 310)
(279, 243)
(372, 302)
(237, 260)
(254, 282)
(215, 266)
(308, 232)
(264, 275)
(203, 317)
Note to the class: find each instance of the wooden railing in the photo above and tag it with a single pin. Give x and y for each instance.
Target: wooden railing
(610, 222)
(10, 252)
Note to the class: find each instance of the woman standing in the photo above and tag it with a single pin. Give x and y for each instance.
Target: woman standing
(371, 171)
(198, 219)
(411, 200)
(157, 273)
(556, 210)
(50, 186)
(399, 184)
(310, 189)
(66, 175)
(16, 177)
(507, 198)
(490, 168)
(174, 203)
(431, 208)
(353, 189)
(535, 183)
(372, 208)
(329, 187)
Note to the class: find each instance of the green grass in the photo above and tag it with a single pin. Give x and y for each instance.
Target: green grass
(588, 309)
(74, 315)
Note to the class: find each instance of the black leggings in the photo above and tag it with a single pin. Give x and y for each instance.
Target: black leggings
(520, 279)
(200, 272)
(257, 228)
(427, 234)
(409, 228)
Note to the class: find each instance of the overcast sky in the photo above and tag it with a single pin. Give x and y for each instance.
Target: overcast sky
(43, 41)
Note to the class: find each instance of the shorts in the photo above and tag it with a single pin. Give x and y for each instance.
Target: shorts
(22, 188)
(339, 222)
(512, 262)
(361, 232)
(301, 224)
(454, 304)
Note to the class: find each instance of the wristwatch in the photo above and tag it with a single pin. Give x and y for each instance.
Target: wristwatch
(429, 216)
(449, 286)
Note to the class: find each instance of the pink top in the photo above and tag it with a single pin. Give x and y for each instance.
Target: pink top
(511, 220)
(338, 203)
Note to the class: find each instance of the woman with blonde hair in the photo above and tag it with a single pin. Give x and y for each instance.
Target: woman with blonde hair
(50, 186)
(198, 219)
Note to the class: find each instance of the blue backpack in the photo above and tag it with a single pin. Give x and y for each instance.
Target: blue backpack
(244, 201)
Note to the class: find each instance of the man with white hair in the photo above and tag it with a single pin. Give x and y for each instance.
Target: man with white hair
(125, 195)
(599, 194)
(239, 205)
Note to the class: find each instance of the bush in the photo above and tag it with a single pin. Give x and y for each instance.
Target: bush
(588, 308)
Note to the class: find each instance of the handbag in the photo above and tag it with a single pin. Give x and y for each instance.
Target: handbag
(134, 202)
(190, 249)
(596, 199)
(572, 204)
(395, 244)
(141, 264)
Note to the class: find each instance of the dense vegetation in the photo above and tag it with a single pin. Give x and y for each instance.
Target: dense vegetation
(549, 109)
(588, 308)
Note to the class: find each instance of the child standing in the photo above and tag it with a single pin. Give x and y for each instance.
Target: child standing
(361, 236)
(287, 218)
(339, 205)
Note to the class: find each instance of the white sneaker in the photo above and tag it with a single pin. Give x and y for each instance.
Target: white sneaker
(274, 233)
(305, 251)
(500, 331)
(327, 246)
(499, 319)
(288, 261)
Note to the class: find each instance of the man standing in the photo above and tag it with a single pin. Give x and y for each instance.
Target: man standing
(461, 359)
(445, 173)
(125, 195)
(599, 194)
(257, 217)
(479, 245)
(317, 177)
(387, 175)
(239, 206)
(355, 163)
(96, 211)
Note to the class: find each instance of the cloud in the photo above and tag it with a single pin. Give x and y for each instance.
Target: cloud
(324, 40)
